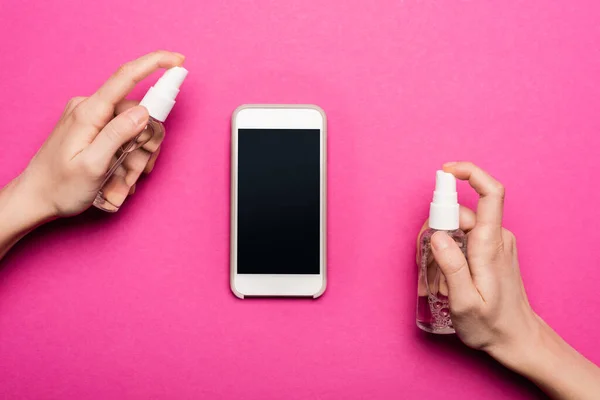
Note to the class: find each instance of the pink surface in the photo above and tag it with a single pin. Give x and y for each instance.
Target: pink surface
(137, 305)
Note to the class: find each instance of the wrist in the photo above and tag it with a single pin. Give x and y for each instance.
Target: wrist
(25, 204)
(552, 364)
(526, 352)
(21, 210)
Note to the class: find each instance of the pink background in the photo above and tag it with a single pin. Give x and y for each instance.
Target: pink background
(137, 304)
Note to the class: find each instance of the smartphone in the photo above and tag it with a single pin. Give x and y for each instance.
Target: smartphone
(278, 201)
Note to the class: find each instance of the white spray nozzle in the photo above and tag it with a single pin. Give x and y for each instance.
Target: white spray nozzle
(445, 182)
(171, 80)
(443, 212)
(160, 99)
(445, 188)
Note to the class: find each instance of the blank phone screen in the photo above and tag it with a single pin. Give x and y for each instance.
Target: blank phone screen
(278, 203)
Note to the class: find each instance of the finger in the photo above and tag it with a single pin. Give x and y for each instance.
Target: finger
(115, 134)
(116, 189)
(129, 74)
(125, 105)
(491, 192)
(467, 219)
(123, 181)
(136, 163)
(152, 161)
(455, 268)
(157, 135)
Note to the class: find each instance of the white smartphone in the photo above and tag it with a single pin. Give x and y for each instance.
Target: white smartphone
(278, 201)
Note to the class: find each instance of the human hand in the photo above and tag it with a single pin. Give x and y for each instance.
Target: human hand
(68, 170)
(488, 303)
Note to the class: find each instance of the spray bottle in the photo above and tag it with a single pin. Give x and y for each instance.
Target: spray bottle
(433, 309)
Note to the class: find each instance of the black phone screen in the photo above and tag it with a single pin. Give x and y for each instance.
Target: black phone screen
(278, 205)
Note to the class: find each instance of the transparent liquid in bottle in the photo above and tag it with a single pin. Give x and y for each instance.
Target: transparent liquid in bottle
(433, 309)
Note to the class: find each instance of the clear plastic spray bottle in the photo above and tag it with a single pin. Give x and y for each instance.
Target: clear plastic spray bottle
(159, 100)
(433, 309)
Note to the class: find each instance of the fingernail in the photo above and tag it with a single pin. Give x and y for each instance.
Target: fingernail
(449, 164)
(180, 55)
(440, 241)
(138, 114)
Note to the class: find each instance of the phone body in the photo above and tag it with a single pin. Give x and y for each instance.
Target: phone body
(278, 201)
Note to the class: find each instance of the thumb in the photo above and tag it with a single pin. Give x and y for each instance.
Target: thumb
(120, 130)
(455, 268)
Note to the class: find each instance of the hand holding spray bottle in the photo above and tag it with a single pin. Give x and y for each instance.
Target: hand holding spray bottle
(159, 100)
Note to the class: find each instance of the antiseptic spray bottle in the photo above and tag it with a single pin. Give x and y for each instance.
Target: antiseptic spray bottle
(433, 310)
(159, 101)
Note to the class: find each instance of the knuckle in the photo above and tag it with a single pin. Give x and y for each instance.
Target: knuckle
(486, 313)
(117, 130)
(150, 146)
(73, 102)
(499, 190)
(485, 234)
(92, 167)
(451, 263)
(113, 133)
(124, 69)
(465, 309)
(509, 237)
(457, 267)
(79, 113)
(128, 122)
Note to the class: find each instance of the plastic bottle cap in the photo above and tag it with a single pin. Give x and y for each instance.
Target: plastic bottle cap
(160, 98)
(444, 209)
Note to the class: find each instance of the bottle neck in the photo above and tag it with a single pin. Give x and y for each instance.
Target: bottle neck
(159, 106)
(444, 217)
